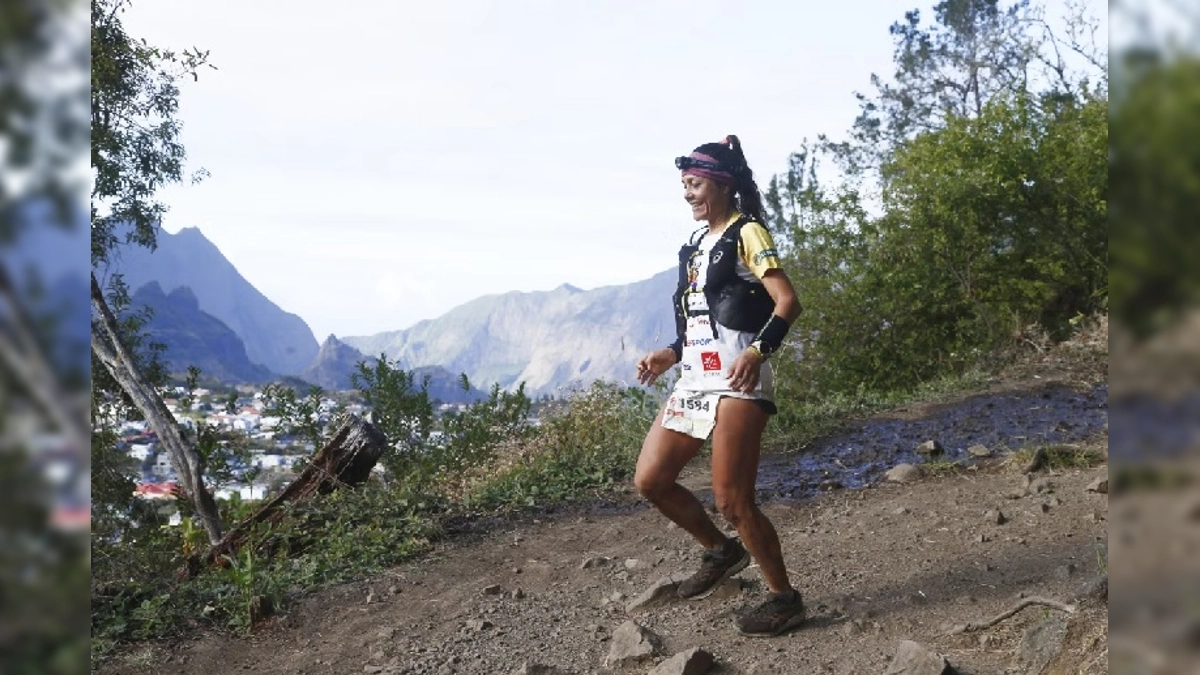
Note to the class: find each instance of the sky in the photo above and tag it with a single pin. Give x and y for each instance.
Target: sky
(380, 164)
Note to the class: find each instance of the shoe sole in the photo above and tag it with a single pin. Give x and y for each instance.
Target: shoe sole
(738, 567)
(790, 624)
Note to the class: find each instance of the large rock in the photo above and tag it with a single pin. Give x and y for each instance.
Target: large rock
(913, 659)
(631, 644)
(1040, 644)
(659, 593)
(903, 473)
(694, 661)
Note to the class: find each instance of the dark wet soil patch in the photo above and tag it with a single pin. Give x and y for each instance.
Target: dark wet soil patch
(1146, 427)
(1002, 422)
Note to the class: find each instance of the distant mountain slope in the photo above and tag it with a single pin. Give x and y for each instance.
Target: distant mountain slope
(548, 339)
(195, 338)
(279, 340)
(336, 361)
(334, 364)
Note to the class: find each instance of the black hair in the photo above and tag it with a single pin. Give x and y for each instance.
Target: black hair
(747, 198)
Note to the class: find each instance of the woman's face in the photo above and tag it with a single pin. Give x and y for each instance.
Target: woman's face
(708, 198)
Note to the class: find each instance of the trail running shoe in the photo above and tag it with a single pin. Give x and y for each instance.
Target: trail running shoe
(715, 567)
(779, 614)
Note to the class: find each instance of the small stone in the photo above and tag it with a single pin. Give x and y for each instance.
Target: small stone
(902, 511)
(852, 628)
(980, 451)
(516, 594)
(632, 563)
(995, 516)
(1044, 507)
(1094, 517)
(1099, 485)
(393, 590)
(930, 447)
(479, 624)
(372, 669)
(903, 473)
(694, 661)
(597, 561)
(1055, 502)
(494, 589)
(983, 538)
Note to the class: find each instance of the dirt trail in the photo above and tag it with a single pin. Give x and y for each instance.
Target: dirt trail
(876, 565)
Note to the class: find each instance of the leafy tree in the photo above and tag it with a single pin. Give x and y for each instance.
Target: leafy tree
(1154, 164)
(136, 151)
(971, 201)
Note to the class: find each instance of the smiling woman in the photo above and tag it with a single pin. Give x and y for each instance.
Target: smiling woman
(733, 307)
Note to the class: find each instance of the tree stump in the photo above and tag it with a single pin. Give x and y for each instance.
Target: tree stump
(345, 461)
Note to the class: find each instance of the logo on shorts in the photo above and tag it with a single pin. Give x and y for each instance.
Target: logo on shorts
(711, 360)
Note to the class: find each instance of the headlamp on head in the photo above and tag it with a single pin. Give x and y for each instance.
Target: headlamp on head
(685, 163)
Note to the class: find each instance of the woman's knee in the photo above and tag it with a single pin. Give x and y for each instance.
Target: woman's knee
(651, 483)
(734, 504)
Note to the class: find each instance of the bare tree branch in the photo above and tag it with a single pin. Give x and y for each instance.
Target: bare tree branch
(1027, 602)
(108, 348)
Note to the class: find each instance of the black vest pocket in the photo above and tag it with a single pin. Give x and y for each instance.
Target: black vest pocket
(742, 306)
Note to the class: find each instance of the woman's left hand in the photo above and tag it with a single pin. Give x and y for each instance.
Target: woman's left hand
(744, 373)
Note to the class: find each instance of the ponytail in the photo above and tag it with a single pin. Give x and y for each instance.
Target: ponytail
(749, 200)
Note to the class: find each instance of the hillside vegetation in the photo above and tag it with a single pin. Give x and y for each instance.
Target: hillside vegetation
(965, 224)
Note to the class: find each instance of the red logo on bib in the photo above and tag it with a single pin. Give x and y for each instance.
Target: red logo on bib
(711, 360)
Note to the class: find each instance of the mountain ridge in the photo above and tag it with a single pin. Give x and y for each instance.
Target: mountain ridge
(196, 338)
(548, 339)
(279, 340)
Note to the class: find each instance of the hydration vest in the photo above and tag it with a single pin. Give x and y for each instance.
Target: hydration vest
(733, 302)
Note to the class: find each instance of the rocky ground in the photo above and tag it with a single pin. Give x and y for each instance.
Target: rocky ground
(891, 573)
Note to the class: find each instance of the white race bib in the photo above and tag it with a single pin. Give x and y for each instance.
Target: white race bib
(694, 414)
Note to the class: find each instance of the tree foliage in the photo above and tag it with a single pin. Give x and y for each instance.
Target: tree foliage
(971, 203)
(1155, 167)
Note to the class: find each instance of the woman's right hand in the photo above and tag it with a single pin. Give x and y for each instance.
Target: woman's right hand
(654, 364)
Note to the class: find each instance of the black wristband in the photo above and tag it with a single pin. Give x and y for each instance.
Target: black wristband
(677, 347)
(770, 338)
